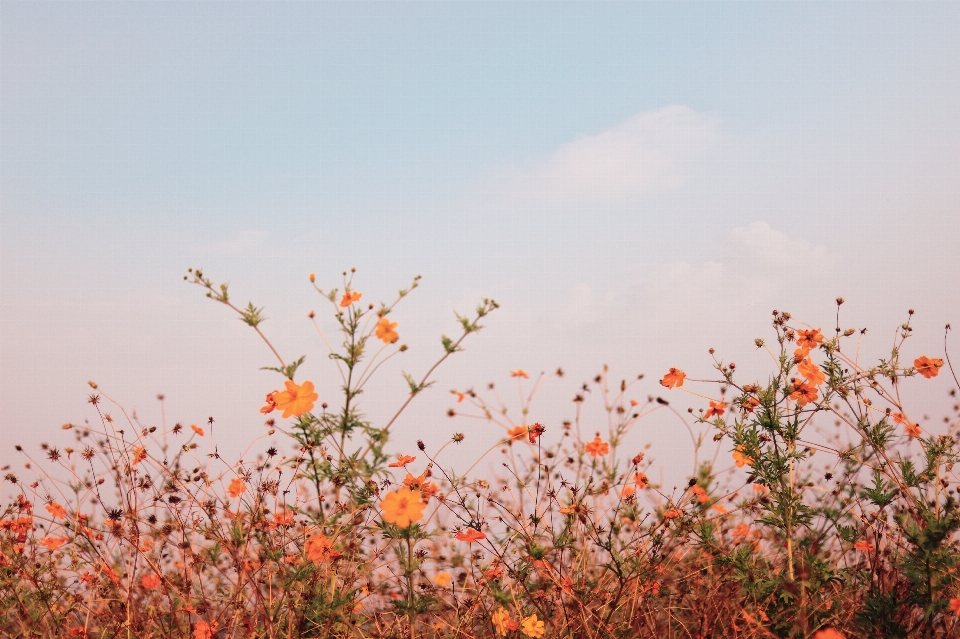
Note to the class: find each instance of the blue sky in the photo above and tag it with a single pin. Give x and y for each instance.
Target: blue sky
(633, 182)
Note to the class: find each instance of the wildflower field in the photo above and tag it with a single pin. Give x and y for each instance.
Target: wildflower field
(141, 531)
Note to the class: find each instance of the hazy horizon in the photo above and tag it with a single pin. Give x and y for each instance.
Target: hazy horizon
(633, 183)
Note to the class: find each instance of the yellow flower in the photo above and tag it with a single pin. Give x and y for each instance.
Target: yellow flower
(502, 623)
(442, 579)
(385, 331)
(532, 627)
(402, 507)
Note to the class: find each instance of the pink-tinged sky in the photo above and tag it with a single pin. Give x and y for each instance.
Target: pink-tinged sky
(633, 183)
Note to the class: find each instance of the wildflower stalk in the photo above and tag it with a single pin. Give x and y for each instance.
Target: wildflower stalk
(408, 575)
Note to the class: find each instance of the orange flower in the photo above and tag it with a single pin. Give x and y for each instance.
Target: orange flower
(197, 429)
(470, 535)
(271, 405)
(403, 460)
(640, 479)
(495, 571)
(319, 549)
(150, 582)
(56, 510)
(517, 432)
(385, 331)
(742, 531)
(720, 508)
(928, 366)
(913, 430)
(597, 447)
(442, 579)
(863, 545)
(139, 455)
(828, 633)
(749, 404)
(427, 488)
(716, 409)
(296, 400)
(808, 340)
(202, 630)
(460, 397)
(52, 543)
(634, 402)
(803, 393)
(414, 483)
(955, 606)
(673, 379)
(519, 373)
(701, 494)
(535, 431)
(741, 457)
(811, 371)
(349, 297)
(402, 507)
(673, 513)
(236, 487)
(281, 518)
(627, 491)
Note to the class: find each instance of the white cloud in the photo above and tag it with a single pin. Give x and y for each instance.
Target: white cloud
(651, 151)
(759, 264)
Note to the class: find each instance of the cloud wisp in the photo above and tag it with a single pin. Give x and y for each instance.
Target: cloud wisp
(649, 152)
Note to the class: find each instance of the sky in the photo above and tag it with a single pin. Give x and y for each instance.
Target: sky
(633, 183)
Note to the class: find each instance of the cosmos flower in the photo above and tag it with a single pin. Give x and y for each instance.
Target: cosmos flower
(402, 507)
